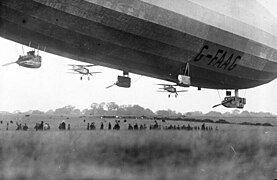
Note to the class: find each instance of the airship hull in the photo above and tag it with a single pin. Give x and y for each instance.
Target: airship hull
(147, 38)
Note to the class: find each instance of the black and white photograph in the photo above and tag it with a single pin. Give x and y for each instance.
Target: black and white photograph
(138, 89)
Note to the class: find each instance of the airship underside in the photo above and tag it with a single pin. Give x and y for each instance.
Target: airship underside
(226, 44)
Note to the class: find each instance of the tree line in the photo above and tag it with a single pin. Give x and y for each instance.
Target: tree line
(113, 109)
(107, 109)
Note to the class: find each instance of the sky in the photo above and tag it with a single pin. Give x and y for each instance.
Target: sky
(51, 87)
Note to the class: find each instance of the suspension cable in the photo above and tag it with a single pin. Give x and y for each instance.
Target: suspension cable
(244, 93)
(219, 95)
(136, 80)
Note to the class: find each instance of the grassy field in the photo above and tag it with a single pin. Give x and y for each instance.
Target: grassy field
(232, 152)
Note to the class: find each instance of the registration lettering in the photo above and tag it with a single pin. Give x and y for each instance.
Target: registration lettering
(221, 59)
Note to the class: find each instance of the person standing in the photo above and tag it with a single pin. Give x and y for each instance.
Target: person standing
(109, 126)
(102, 126)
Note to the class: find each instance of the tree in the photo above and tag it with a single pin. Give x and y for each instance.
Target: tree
(76, 112)
(194, 113)
(214, 113)
(17, 112)
(65, 110)
(112, 106)
(227, 114)
(50, 112)
(168, 112)
(148, 112)
(98, 109)
(245, 113)
(137, 110)
(235, 112)
(37, 112)
(87, 111)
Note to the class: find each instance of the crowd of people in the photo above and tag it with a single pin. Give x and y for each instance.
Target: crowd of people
(154, 126)
(42, 126)
(62, 126)
(203, 127)
(116, 126)
(91, 126)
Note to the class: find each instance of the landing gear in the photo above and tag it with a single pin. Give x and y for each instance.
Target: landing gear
(176, 95)
(81, 78)
(232, 101)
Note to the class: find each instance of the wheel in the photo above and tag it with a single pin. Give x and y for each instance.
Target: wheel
(169, 96)
(81, 78)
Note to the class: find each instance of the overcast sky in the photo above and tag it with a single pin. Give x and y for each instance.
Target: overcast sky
(51, 87)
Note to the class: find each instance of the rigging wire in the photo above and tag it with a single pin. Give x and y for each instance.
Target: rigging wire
(23, 50)
(16, 50)
(219, 95)
(244, 93)
(136, 80)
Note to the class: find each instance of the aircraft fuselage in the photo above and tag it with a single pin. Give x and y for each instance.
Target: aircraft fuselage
(84, 71)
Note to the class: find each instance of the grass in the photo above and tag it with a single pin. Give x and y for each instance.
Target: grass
(224, 154)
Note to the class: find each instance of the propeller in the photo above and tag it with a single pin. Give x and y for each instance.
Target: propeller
(110, 86)
(217, 105)
(8, 64)
(222, 103)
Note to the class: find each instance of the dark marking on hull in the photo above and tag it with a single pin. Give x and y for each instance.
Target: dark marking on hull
(222, 59)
